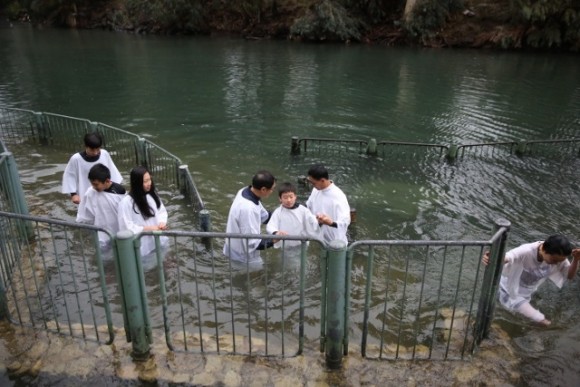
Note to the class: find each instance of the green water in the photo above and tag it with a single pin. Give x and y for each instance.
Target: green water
(228, 107)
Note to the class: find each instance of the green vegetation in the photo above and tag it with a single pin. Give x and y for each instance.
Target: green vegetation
(513, 24)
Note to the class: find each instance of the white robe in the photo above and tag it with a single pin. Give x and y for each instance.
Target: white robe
(131, 219)
(76, 173)
(245, 217)
(522, 274)
(332, 202)
(298, 221)
(100, 209)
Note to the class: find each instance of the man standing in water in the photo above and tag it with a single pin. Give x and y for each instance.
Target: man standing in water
(329, 204)
(246, 216)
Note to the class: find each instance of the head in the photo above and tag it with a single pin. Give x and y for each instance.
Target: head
(318, 176)
(93, 142)
(141, 182)
(287, 194)
(555, 249)
(100, 177)
(263, 183)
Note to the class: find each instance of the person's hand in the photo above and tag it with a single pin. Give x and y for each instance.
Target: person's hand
(485, 258)
(76, 199)
(324, 219)
(162, 226)
(576, 254)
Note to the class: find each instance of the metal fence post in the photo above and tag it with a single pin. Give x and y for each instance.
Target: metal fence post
(372, 147)
(134, 295)
(16, 196)
(335, 304)
(42, 128)
(452, 152)
(295, 149)
(141, 152)
(490, 284)
(4, 314)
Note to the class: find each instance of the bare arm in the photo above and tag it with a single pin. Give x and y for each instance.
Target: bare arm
(574, 265)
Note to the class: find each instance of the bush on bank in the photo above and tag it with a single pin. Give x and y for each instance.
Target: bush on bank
(513, 24)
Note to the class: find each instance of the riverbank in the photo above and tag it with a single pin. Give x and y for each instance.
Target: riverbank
(424, 23)
(34, 357)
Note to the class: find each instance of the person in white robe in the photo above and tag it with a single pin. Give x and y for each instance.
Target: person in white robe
(246, 216)
(100, 203)
(528, 266)
(142, 210)
(75, 180)
(329, 204)
(292, 218)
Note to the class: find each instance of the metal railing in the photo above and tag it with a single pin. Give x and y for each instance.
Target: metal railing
(56, 279)
(386, 149)
(127, 149)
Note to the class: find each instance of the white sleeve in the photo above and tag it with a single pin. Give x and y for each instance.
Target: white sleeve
(274, 222)
(70, 178)
(162, 213)
(128, 219)
(311, 226)
(85, 212)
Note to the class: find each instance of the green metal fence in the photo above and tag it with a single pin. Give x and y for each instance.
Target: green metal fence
(127, 149)
(569, 147)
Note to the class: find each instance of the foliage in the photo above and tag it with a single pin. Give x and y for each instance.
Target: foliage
(327, 20)
(375, 11)
(170, 16)
(554, 23)
(429, 15)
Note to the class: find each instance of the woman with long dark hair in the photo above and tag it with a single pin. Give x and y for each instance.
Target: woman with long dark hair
(142, 209)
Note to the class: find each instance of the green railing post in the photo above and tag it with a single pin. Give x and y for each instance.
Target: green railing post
(204, 221)
(4, 314)
(42, 128)
(372, 147)
(16, 195)
(521, 148)
(141, 150)
(491, 280)
(295, 149)
(452, 152)
(134, 295)
(335, 304)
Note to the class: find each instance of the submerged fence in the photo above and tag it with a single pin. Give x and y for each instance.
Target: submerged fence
(370, 147)
(126, 149)
(401, 299)
(398, 299)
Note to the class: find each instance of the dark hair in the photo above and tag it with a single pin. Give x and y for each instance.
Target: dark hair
(263, 179)
(99, 172)
(557, 245)
(93, 140)
(139, 195)
(318, 172)
(285, 188)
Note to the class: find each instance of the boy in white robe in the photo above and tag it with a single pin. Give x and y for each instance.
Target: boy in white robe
(292, 218)
(74, 180)
(100, 203)
(329, 204)
(526, 267)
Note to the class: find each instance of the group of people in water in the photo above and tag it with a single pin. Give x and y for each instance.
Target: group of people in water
(94, 183)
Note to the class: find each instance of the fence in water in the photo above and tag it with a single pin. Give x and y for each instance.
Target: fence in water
(385, 149)
(402, 299)
(126, 149)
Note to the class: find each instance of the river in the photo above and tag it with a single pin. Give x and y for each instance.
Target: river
(228, 107)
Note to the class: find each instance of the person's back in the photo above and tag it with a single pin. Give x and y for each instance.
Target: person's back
(74, 180)
(100, 203)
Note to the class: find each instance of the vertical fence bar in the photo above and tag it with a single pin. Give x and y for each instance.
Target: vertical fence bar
(295, 148)
(16, 195)
(134, 308)
(490, 284)
(4, 314)
(141, 152)
(335, 304)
